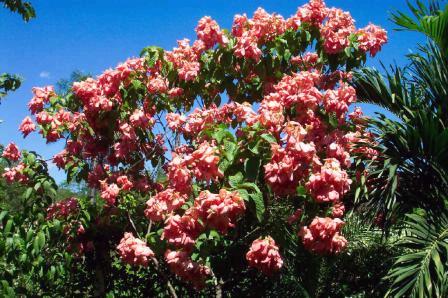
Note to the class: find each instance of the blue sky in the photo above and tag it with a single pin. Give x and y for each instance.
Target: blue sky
(94, 35)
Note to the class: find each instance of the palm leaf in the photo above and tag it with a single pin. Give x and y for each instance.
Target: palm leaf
(422, 271)
(430, 21)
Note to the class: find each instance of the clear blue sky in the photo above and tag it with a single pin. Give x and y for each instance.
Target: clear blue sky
(94, 35)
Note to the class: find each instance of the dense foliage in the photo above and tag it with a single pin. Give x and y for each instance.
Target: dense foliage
(406, 190)
(232, 166)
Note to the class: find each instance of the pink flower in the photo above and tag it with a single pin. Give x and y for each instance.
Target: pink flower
(330, 183)
(157, 85)
(140, 119)
(175, 92)
(27, 126)
(266, 27)
(337, 101)
(179, 175)
(204, 162)
(175, 121)
(124, 183)
(288, 166)
(134, 251)
(11, 152)
(338, 209)
(246, 47)
(181, 264)
(109, 192)
(371, 39)
(209, 33)
(41, 97)
(297, 89)
(61, 159)
(336, 30)
(220, 211)
(163, 203)
(63, 209)
(15, 174)
(264, 255)
(185, 60)
(322, 236)
(313, 13)
(182, 231)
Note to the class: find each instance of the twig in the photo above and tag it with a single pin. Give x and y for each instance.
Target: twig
(132, 224)
(171, 289)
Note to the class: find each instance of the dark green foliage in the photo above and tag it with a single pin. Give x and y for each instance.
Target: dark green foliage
(24, 8)
(412, 172)
(8, 83)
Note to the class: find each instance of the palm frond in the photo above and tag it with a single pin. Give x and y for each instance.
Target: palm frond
(392, 91)
(422, 271)
(429, 71)
(429, 20)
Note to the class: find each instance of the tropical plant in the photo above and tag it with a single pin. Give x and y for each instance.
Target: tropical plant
(411, 172)
(223, 160)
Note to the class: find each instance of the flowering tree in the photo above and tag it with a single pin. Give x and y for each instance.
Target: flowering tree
(226, 142)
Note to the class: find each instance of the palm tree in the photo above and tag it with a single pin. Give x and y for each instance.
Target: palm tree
(408, 184)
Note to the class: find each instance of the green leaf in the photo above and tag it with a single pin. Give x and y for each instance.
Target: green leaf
(236, 179)
(268, 137)
(8, 226)
(252, 168)
(257, 199)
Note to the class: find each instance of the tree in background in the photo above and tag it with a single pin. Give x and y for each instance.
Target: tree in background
(225, 162)
(407, 186)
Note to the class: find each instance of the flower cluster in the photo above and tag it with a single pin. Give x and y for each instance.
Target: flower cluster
(11, 152)
(27, 126)
(323, 236)
(264, 255)
(63, 209)
(330, 183)
(181, 264)
(134, 251)
(163, 204)
(15, 174)
(220, 211)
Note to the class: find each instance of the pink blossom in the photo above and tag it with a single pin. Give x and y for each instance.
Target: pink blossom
(264, 255)
(181, 264)
(109, 192)
(182, 231)
(27, 126)
(185, 60)
(371, 39)
(338, 209)
(322, 236)
(15, 174)
(11, 152)
(175, 121)
(313, 13)
(178, 174)
(336, 30)
(337, 101)
(134, 251)
(246, 47)
(330, 183)
(63, 209)
(220, 211)
(163, 203)
(204, 162)
(40, 98)
(208, 31)
(124, 183)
